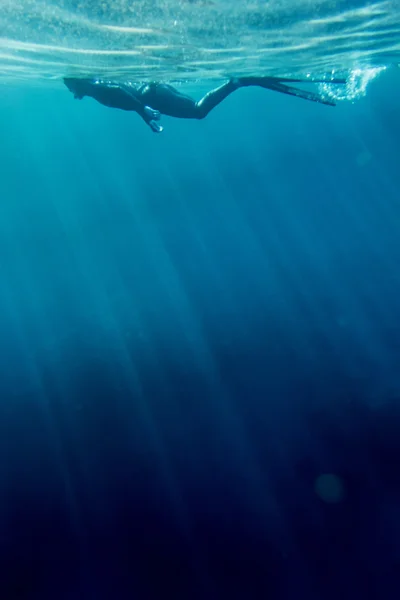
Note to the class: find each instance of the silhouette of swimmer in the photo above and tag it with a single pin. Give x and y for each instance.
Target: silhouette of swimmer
(152, 100)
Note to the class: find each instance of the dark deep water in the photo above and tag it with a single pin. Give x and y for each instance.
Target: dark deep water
(194, 327)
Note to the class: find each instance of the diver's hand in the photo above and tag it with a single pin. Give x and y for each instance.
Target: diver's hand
(156, 127)
(151, 114)
(151, 117)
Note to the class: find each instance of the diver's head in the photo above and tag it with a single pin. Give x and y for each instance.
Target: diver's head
(76, 86)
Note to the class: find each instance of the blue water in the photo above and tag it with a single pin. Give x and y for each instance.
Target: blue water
(194, 327)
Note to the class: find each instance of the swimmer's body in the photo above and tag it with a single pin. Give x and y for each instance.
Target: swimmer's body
(152, 100)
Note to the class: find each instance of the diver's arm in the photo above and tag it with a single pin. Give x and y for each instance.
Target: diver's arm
(137, 104)
(149, 115)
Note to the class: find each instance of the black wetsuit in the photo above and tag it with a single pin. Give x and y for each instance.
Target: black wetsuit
(153, 99)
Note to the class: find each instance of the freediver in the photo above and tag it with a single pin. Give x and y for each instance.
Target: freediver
(152, 100)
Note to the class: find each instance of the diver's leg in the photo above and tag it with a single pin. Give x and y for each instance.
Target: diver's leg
(215, 97)
(274, 84)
